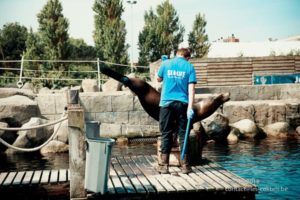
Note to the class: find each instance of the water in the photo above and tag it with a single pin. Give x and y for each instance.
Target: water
(272, 165)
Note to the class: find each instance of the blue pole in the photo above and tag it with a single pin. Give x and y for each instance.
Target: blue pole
(186, 137)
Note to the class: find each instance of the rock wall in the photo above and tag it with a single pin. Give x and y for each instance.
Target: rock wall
(121, 113)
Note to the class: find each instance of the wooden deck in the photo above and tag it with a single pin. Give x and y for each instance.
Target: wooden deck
(134, 177)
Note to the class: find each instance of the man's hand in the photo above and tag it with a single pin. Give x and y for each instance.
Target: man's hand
(190, 113)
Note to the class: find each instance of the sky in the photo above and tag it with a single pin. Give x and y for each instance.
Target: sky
(248, 20)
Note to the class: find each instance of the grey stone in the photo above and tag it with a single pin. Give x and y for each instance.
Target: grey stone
(17, 109)
(22, 142)
(279, 129)
(62, 132)
(55, 146)
(90, 85)
(96, 102)
(123, 102)
(111, 85)
(110, 130)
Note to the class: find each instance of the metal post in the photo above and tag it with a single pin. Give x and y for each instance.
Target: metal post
(76, 147)
(20, 83)
(131, 54)
(99, 75)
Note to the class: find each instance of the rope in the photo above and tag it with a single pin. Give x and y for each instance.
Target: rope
(35, 127)
(38, 147)
(40, 78)
(74, 61)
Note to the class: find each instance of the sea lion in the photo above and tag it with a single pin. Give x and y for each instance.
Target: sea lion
(149, 97)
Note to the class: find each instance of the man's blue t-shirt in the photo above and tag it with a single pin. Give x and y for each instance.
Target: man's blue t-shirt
(176, 73)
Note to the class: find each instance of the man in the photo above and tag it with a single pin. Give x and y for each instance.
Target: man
(177, 98)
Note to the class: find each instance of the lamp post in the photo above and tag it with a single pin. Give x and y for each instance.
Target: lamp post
(131, 54)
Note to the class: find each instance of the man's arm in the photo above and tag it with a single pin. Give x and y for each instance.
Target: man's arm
(191, 95)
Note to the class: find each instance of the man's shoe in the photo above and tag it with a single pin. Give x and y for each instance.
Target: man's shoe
(163, 168)
(185, 165)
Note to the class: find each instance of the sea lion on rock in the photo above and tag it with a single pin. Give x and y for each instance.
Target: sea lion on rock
(149, 97)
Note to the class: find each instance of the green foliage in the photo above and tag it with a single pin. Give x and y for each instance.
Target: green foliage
(53, 28)
(110, 32)
(12, 43)
(161, 34)
(79, 50)
(198, 39)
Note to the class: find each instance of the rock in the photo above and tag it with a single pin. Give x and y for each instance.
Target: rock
(28, 86)
(8, 92)
(111, 85)
(45, 90)
(233, 136)
(279, 129)
(54, 146)
(37, 136)
(122, 141)
(239, 111)
(62, 133)
(216, 127)
(90, 85)
(22, 141)
(8, 136)
(17, 110)
(248, 129)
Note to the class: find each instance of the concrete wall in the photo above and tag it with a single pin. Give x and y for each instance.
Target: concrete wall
(120, 113)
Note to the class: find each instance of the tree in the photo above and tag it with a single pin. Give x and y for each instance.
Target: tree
(110, 32)
(53, 28)
(12, 42)
(198, 39)
(161, 34)
(80, 50)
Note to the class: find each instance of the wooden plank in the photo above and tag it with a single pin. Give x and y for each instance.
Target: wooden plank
(134, 180)
(240, 180)
(147, 185)
(160, 177)
(150, 174)
(207, 179)
(45, 176)
(122, 175)
(62, 175)
(69, 175)
(9, 179)
(183, 179)
(36, 177)
(216, 172)
(27, 178)
(18, 178)
(3, 175)
(116, 181)
(214, 177)
(53, 176)
(110, 186)
(200, 181)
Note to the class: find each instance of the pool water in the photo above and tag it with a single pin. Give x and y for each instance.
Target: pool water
(272, 165)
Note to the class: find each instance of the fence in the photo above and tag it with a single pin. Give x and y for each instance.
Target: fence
(243, 71)
(56, 77)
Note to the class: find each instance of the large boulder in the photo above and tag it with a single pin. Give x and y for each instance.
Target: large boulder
(62, 132)
(279, 129)
(233, 136)
(111, 85)
(34, 137)
(22, 142)
(90, 85)
(8, 92)
(248, 129)
(17, 110)
(216, 127)
(40, 135)
(55, 146)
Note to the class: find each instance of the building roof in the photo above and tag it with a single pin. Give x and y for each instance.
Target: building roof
(252, 49)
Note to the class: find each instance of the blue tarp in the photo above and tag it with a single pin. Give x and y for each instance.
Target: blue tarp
(277, 79)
